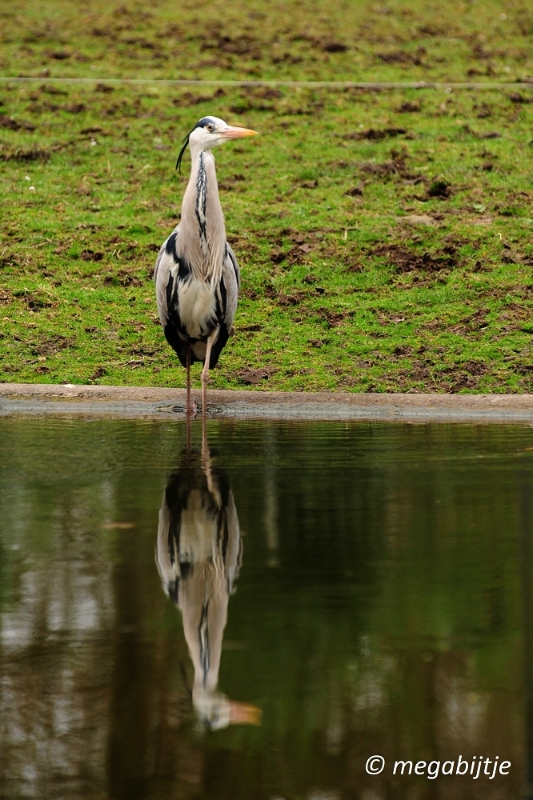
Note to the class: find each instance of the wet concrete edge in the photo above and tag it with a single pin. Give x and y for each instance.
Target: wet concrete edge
(161, 403)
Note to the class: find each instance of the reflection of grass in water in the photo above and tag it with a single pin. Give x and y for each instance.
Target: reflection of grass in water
(383, 237)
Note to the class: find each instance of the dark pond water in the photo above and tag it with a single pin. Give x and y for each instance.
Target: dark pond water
(258, 624)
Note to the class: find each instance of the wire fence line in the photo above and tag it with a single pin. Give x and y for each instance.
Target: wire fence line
(243, 84)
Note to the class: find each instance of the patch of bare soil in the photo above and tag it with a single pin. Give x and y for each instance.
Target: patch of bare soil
(257, 98)
(518, 97)
(410, 107)
(240, 245)
(249, 329)
(473, 323)
(465, 375)
(98, 373)
(35, 300)
(302, 243)
(126, 277)
(377, 134)
(232, 183)
(306, 243)
(295, 255)
(91, 255)
(242, 45)
(466, 129)
(483, 110)
(395, 167)
(333, 318)
(355, 191)
(403, 57)
(450, 379)
(514, 312)
(406, 260)
(332, 46)
(251, 377)
(33, 153)
(51, 345)
(188, 98)
(293, 299)
(14, 125)
(440, 189)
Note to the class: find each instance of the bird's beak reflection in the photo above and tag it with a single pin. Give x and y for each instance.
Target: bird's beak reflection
(232, 132)
(244, 713)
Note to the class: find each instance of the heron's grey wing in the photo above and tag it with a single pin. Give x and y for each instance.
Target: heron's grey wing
(233, 543)
(166, 261)
(166, 556)
(232, 282)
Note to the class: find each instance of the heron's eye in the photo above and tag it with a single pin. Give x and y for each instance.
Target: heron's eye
(210, 127)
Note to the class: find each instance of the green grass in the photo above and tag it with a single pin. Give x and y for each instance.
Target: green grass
(384, 237)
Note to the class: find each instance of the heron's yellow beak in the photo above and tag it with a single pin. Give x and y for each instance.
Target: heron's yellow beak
(232, 132)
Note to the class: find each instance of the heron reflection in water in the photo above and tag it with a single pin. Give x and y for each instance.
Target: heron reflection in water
(199, 552)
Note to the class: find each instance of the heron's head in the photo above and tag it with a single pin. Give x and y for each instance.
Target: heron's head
(209, 132)
(215, 711)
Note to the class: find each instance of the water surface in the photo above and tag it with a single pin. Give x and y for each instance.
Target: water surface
(256, 625)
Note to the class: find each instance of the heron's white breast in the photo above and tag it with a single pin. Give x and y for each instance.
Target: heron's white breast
(197, 304)
(198, 530)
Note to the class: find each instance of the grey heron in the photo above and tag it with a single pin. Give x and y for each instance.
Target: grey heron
(198, 555)
(196, 273)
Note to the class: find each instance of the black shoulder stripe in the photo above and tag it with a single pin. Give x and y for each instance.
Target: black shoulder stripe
(171, 247)
(186, 569)
(183, 275)
(173, 590)
(222, 300)
(234, 265)
(184, 270)
(170, 292)
(225, 539)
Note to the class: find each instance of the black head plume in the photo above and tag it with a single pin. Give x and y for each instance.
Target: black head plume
(204, 122)
(183, 149)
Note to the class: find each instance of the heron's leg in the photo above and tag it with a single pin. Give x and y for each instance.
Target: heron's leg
(206, 465)
(205, 377)
(189, 408)
(205, 372)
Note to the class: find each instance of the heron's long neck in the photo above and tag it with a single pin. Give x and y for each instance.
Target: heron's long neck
(202, 237)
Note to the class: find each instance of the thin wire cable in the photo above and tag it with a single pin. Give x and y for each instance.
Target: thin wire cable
(375, 85)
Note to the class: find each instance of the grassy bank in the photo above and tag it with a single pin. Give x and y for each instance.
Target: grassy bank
(384, 236)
